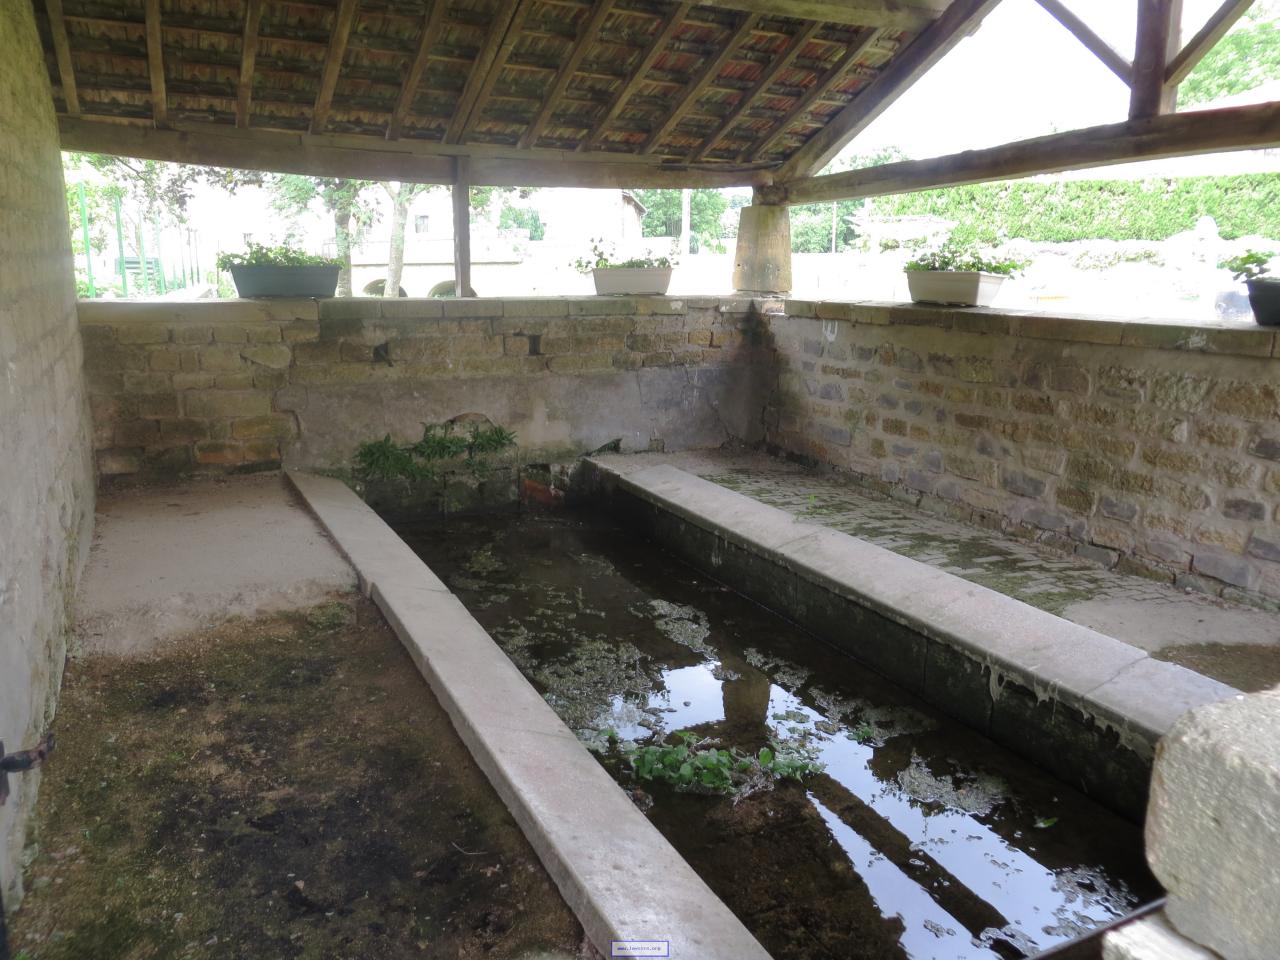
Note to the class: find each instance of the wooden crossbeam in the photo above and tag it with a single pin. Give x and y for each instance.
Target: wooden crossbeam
(511, 35)
(155, 63)
(666, 30)
(248, 57)
(494, 42)
(1116, 63)
(1150, 138)
(585, 39)
(62, 52)
(367, 158)
(835, 73)
(343, 20)
(935, 42)
(888, 14)
(781, 62)
(1157, 43)
(432, 23)
(1206, 39)
(698, 86)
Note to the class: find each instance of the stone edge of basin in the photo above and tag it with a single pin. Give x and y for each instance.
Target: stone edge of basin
(1116, 683)
(617, 873)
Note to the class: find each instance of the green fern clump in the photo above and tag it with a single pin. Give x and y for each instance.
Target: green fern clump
(428, 457)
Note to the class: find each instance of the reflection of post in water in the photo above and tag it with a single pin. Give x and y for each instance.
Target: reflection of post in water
(746, 701)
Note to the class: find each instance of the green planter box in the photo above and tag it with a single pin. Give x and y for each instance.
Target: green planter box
(278, 281)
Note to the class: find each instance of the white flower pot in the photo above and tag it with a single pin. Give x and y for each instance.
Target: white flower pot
(958, 288)
(631, 280)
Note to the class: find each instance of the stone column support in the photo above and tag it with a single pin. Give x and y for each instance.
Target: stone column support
(762, 261)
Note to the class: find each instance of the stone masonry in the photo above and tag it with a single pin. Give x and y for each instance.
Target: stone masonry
(1148, 448)
(46, 470)
(207, 386)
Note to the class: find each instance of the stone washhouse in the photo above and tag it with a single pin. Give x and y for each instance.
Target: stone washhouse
(1141, 457)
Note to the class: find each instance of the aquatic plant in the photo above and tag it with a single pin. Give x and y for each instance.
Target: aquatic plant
(428, 457)
(691, 764)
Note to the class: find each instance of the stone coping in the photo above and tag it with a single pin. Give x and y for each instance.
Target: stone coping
(1243, 340)
(1115, 683)
(618, 874)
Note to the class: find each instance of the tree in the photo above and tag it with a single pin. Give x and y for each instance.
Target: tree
(832, 227)
(663, 214)
(401, 195)
(1247, 57)
(342, 199)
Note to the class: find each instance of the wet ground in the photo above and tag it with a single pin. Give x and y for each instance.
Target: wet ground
(284, 787)
(920, 839)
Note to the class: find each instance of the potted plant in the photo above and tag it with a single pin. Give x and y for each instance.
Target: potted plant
(282, 271)
(1264, 291)
(958, 276)
(637, 276)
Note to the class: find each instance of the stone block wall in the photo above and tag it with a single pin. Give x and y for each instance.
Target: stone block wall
(46, 470)
(1148, 447)
(237, 385)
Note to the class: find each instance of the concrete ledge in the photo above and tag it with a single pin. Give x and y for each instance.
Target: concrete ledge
(615, 870)
(1088, 707)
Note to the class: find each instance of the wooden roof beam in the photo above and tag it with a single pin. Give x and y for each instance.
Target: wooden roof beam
(1114, 61)
(698, 86)
(1159, 23)
(586, 38)
(432, 23)
(155, 63)
(1215, 28)
(248, 58)
(343, 19)
(1151, 138)
(497, 46)
(960, 20)
(666, 30)
(62, 52)
(835, 73)
(885, 14)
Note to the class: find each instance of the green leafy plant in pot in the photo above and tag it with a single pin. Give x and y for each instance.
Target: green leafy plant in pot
(637, 276)
(958, 276)
(282, 271)
(1252, 267)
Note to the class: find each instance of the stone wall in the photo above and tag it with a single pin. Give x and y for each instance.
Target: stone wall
(1148, 447)
(236, 385)
(46, 473)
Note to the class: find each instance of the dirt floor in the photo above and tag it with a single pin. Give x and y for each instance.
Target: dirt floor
(282, 787)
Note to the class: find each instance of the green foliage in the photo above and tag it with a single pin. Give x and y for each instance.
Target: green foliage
(1249, 265)
(1153, 209)
(662, 214)
(522, 218)
(259, 255)
(1247, 57)
(689, 764)
(958, 257)
(602, 255)
(426, 459)
(811, 225)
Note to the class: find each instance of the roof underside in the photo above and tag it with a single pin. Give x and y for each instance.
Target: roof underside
(728, 85)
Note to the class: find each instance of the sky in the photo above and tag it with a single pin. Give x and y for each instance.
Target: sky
(1021, 75)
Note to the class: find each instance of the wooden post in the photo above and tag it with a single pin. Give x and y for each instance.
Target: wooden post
(1159, 31)
(461, 228)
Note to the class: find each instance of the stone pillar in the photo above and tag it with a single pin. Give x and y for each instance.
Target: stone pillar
(1213, 834)
(762, 261)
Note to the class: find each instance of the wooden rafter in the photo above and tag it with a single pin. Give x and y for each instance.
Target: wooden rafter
(248, 57)
(960, 20)
(62, 51)
(512, 34)
(834, 74)
(698, 86)
(1157, 44)
(586, 38)
(343, 20)
(485, 65)
(1116, 63)
(368, 158)
(155, 63)
(781, 62)
(666, 30)
(1206, 39)
(1151, 138)
(894, 15)
(432, 22)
